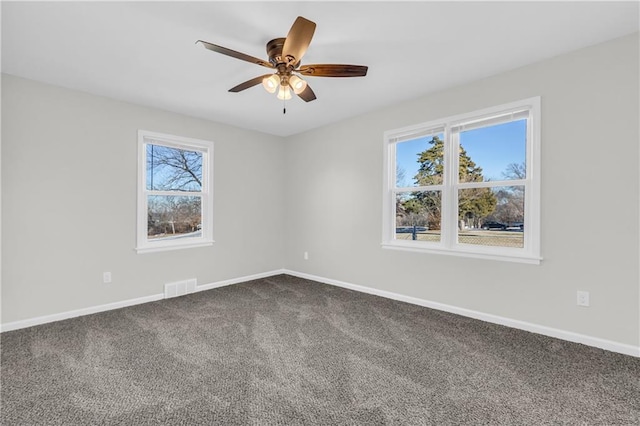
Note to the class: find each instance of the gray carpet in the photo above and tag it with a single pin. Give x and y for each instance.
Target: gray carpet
(288, 351)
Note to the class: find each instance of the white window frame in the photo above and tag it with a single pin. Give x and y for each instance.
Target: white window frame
(448, 245)
(143, 244)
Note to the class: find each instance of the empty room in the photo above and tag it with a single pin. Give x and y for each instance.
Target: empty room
(320, 213)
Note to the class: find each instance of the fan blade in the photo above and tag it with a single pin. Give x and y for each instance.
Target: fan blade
(307, 94)
(298, 39)
(234, 54)
(249, 83)
(333, 70)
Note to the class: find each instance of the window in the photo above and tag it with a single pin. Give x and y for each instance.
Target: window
(467, 185)
(175, 204)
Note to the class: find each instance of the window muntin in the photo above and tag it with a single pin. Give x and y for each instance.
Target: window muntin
(174, 192)
(483, 169)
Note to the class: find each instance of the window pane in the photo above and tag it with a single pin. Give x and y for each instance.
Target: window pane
(418, 215)
(491, 216)
(420, 161)
(493, 153)
(170, 217)
(173, 169)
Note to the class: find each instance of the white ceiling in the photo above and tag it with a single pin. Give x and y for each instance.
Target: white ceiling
(145, 52)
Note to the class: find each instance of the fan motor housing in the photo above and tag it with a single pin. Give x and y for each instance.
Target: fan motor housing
(274, 50)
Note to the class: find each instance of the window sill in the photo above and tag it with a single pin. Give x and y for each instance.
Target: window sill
(518, 258)
(153, 249)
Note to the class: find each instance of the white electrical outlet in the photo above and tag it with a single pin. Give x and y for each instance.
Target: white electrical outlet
(106, 277)
(306, 255)
(583, 298)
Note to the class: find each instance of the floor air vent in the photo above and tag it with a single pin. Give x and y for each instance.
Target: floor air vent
(179, 288)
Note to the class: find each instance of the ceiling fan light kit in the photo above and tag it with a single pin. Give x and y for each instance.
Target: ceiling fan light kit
(297, 84)
(271, 83)
(285, 55)
(284, 93)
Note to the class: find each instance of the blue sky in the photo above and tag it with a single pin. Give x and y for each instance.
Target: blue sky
(492, 148)
(158, 175)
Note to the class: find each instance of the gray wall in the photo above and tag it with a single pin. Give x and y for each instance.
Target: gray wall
(589, 214)
(69, 202)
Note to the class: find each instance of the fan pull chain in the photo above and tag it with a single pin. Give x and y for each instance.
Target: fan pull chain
(284, 106)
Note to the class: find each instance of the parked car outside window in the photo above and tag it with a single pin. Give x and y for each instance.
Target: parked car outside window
(491, 226)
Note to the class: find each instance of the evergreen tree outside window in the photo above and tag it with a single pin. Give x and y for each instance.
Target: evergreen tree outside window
(466, 185)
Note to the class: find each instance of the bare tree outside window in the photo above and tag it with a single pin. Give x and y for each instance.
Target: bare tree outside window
(173, 170)
(510, 207)
(175, 192)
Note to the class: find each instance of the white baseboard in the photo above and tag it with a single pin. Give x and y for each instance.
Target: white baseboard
(224, 283)
(495, 319)
(124, 303)
(78, 312)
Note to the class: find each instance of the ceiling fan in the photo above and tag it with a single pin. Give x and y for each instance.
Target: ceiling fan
(284, 57)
